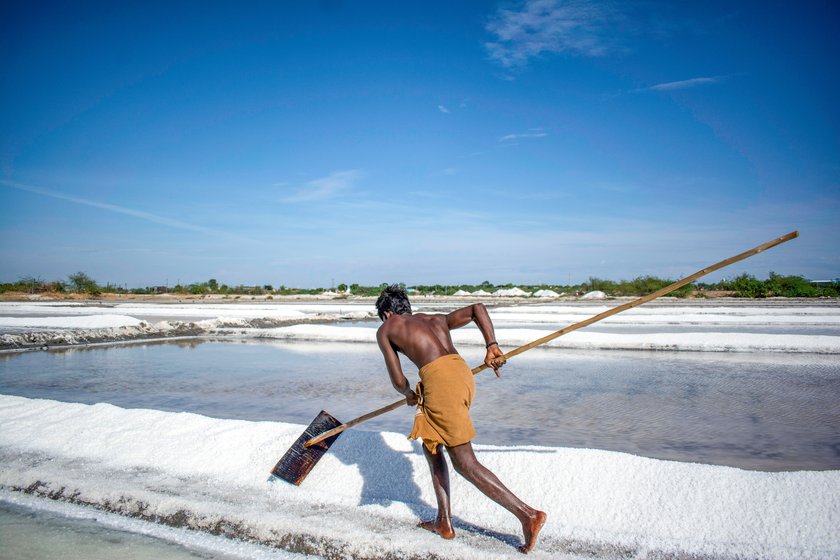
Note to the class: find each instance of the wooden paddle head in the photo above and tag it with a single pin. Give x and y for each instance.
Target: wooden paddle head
(299, 460)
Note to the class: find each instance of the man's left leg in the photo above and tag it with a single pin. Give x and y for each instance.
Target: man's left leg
(466, 464)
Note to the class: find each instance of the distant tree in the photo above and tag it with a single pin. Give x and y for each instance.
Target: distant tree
(31, 284)
(197, 288)
(82, 283)
(601, 285)
(213, 284)
(747, 285)
(790, 286)
(342, 287)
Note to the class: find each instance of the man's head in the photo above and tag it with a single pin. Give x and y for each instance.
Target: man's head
(393, 299)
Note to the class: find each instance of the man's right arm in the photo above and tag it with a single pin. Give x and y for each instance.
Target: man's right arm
(392, 362)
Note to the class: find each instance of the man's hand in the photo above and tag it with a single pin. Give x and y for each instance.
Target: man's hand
(495, 358)
(411, 399)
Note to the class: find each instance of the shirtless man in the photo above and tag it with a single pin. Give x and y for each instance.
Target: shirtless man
(443, 398)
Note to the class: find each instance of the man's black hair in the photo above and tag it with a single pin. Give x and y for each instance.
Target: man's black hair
(393, 299)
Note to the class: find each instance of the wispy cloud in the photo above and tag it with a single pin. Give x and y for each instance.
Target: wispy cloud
(547, 26)
(534, 133)
(326, 187)
(149, 217)
(682, 84)
(443, 109)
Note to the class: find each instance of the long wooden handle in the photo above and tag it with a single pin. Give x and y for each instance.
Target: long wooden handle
(608, 313)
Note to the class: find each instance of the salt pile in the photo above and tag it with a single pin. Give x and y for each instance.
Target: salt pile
(362, 499)
(512, 292)
(596, 294)
(546, 294)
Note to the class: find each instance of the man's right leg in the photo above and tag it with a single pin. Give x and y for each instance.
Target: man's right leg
(442, 525)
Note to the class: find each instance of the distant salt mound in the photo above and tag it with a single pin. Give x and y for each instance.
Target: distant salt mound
(546, 293)
(480, 293)
(512, 292)
(597, 294)
(462, 293)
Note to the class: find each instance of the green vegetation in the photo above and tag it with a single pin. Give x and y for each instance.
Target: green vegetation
(640, 286)
(742, 286)
(749, 286)
(32, 285)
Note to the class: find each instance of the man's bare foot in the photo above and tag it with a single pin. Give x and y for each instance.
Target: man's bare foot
(531, 530)
(442, 528)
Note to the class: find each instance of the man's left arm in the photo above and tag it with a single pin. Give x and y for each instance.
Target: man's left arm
(494, 358)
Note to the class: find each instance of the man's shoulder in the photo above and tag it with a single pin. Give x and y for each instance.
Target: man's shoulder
(383, 329)
(435, 317)
(427, 315)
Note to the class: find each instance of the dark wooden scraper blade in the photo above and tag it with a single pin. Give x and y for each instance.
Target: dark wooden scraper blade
(299, 460)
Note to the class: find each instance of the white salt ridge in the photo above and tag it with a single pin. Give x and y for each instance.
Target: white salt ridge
(677, 315)
(136, 331)
(687, 317)
(75, 324)
(174, 310)
(510, 338)
(83, 322)
(364, 496)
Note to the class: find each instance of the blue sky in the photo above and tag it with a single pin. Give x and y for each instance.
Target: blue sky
(312, 143)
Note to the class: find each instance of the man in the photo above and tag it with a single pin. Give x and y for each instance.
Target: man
(443, 396)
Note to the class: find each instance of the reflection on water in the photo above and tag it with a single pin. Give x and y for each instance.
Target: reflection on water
(758, 411)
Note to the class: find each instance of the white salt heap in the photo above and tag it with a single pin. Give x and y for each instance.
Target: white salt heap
(512, 292)
(596, 294)
(546, 293)
(366, 493)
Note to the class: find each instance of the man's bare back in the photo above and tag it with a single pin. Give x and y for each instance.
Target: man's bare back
(424, 338)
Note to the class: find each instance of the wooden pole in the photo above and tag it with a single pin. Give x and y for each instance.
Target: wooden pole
(608, 313)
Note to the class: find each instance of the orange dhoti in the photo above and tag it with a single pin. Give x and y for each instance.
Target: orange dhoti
(446, 391)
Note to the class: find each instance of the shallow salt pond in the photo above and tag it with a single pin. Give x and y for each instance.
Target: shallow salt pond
(749, 410)
(62, 531)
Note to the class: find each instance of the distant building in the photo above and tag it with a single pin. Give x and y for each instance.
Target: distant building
(824, 282)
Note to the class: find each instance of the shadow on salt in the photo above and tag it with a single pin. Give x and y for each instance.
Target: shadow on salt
(383, 461)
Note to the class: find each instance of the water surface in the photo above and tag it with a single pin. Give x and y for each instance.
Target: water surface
(755, 411)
